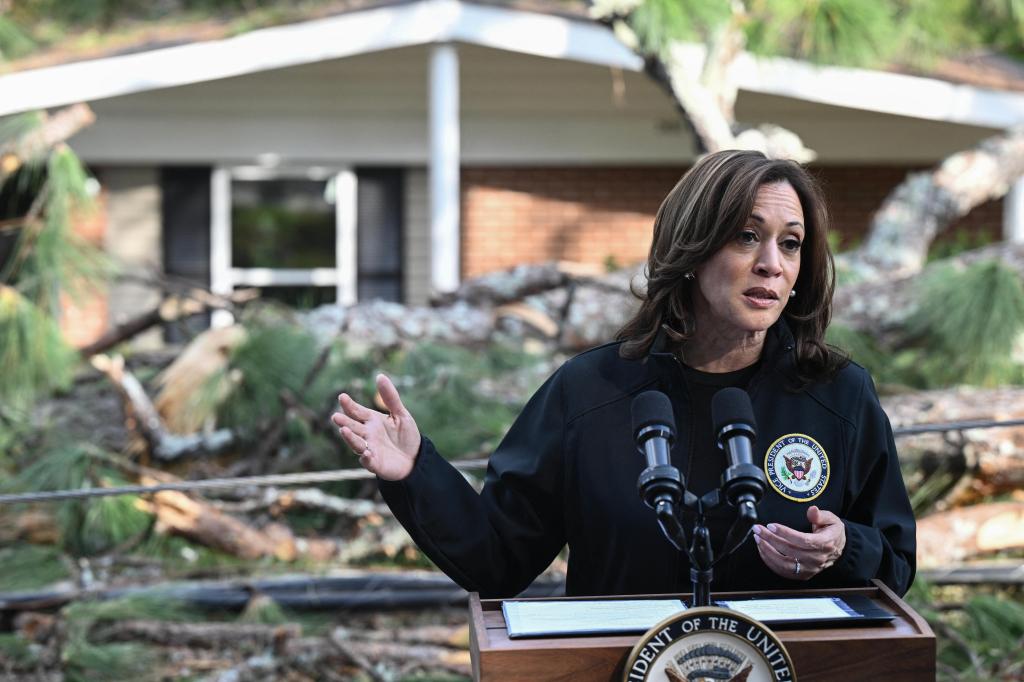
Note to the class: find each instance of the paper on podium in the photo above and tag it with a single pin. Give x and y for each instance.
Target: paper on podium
(548, 618)
(799, 608)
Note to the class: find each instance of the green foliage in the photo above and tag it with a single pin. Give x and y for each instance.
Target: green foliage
(86, 526)
(272, 359)
(14, 42)
(998, 23)
(84, 660)
(30, 566)
(33, 355)
(657, 23)
(980, 640)
(15, 650)
(47, 259)
(956, 242)
(859, 346)
(825, 31)
(442, 387)
(50, 258)
(969, 320)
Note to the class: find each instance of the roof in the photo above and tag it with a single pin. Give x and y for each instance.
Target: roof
(547, 28)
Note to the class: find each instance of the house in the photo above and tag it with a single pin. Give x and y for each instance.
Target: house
(394, 149)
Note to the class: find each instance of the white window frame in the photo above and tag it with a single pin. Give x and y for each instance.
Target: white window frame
(224, 277)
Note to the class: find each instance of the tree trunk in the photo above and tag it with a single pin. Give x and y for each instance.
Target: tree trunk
(978, 462)
(954, 536)
(926, 203)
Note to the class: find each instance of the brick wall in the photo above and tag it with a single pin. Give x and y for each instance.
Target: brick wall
(532, 215)
(854, 192)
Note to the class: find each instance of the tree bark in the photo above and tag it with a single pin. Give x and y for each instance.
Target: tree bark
(954, 536)
(979, 462)
(926, 203)
(143, 419)
(198, 635)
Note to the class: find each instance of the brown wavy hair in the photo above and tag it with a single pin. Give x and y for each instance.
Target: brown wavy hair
(704, 211)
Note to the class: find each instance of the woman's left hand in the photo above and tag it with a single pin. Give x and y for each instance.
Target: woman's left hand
(801, 556)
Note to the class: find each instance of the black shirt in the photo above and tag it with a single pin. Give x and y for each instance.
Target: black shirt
(704, 460)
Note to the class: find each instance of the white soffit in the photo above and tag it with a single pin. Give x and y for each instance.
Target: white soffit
(418, 23)
(881, 91)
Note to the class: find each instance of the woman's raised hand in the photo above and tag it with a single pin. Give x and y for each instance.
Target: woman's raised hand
(386, 443)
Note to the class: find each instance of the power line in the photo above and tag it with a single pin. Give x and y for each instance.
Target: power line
(210, 483)
(358, 474)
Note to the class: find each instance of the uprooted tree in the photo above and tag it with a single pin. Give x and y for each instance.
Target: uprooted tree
(699, 77)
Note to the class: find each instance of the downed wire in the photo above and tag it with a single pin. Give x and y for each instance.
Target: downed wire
(354, 474)
(210, 483)
(358, 590)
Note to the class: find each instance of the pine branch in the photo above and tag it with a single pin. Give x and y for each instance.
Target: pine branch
(52, 129)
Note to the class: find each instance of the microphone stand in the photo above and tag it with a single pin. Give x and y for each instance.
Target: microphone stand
(663, 488)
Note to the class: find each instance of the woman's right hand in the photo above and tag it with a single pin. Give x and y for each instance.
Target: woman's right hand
(386, 443)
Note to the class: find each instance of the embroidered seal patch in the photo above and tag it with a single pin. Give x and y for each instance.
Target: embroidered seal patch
(797, 467)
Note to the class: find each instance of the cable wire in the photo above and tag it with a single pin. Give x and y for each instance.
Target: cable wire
(357, 474)
(210, 483)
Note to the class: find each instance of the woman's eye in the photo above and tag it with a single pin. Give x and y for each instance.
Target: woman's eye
(791, 245)
(746, 237)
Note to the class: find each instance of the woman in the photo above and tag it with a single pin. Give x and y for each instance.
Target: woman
(739, 293)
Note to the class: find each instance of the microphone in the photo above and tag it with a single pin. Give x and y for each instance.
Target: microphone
(733, 418)
(654, 431)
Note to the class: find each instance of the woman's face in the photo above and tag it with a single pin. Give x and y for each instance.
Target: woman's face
(744, 287)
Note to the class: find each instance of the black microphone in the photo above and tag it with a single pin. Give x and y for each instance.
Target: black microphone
(733, 418)
(654, 431)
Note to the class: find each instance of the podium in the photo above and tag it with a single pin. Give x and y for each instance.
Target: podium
(901, 650)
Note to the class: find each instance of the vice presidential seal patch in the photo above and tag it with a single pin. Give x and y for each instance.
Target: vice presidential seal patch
(797, 467)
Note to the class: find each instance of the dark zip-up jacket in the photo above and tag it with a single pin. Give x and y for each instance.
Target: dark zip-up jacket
(566, 473)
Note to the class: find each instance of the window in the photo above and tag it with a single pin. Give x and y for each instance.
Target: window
(306, 237)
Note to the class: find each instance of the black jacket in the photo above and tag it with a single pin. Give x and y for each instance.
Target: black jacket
(566, 472)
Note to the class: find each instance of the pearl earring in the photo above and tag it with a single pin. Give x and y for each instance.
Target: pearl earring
(688, 275)
(792, 293)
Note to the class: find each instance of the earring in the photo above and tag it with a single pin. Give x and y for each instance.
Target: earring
(792, 293)
(688, 275)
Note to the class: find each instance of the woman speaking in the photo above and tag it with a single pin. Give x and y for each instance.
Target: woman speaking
(739, 294)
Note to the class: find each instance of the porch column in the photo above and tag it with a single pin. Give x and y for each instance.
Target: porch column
(1013, 213)
(444, 168)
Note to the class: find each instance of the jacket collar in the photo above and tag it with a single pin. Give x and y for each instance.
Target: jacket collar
(778, 343)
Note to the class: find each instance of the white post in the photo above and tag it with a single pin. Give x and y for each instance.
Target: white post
(221, 282)
(1013, 213)
(345, 250)
(444, 168)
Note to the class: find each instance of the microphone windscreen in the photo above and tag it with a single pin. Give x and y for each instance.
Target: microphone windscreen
(650, 408)
(731, 406)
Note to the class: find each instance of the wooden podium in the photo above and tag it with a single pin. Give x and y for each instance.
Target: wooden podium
(900, 650)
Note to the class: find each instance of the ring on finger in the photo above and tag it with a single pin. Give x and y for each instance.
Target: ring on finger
(796, 567)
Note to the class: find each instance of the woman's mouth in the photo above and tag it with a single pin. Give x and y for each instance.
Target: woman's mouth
(760, 297)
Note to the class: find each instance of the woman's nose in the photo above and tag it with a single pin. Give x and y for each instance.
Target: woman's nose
(769, 260)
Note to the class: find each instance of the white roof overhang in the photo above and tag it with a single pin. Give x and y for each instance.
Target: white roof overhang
(442, 21)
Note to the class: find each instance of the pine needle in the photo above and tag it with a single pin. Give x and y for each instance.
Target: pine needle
(970, 320)
(34, 357)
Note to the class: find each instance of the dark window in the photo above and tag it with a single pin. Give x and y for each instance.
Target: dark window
(379, 228)
(281, 223)
(185, 215)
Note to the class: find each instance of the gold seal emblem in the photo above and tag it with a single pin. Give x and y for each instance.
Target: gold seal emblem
(709, 644)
